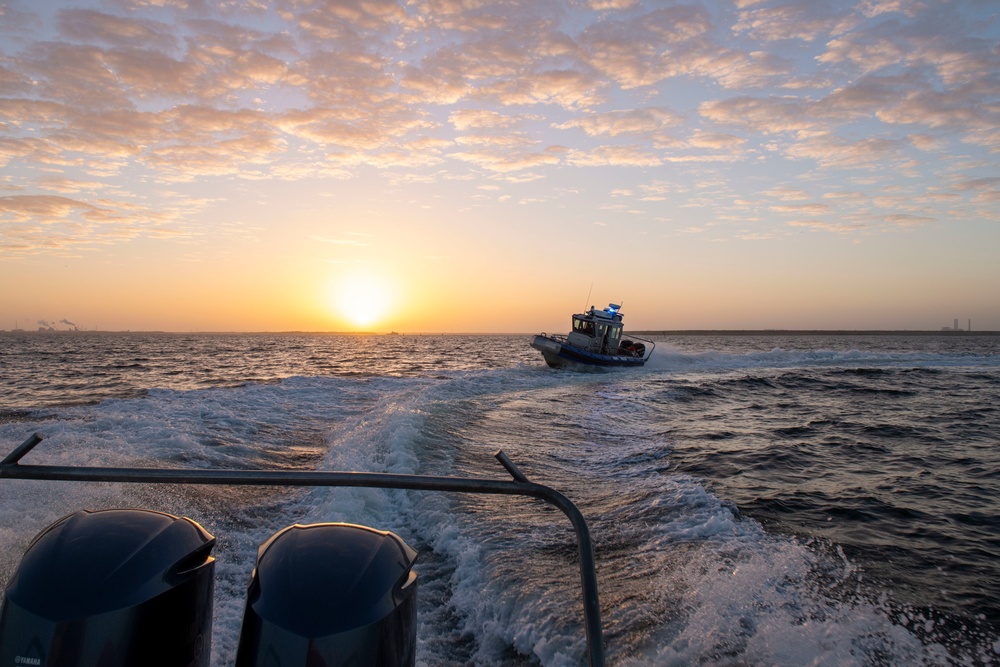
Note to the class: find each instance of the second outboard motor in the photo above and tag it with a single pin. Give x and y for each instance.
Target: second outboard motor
(115, 588)
(329, 595)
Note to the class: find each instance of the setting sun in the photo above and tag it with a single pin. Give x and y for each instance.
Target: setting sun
(361, 299)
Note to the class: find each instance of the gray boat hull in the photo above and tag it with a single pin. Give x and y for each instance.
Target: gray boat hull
(560, 354)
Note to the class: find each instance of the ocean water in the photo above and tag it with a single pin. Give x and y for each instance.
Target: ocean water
(753, 500)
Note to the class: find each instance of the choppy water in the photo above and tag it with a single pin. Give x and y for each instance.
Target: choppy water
(753, 500)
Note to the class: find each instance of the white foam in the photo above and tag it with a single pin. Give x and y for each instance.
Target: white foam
(761, 603)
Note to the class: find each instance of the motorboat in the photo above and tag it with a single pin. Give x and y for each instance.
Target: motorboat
(126, 587)
(595, 341)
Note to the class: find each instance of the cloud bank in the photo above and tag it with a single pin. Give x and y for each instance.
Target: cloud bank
(843, 117)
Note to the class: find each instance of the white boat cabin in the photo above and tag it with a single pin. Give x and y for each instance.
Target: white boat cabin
(598, 331)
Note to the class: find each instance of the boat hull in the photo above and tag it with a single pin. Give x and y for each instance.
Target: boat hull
(560, 354)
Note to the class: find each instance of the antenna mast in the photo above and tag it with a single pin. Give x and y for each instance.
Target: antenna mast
(588, 296)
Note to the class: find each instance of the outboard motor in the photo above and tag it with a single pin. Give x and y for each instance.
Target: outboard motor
(632, 348)
(331, 595)
(112, 588)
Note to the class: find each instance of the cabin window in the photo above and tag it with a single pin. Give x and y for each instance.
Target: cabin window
(615, 334)
(583, 326)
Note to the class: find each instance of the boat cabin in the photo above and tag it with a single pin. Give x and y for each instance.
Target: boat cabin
(598, 331)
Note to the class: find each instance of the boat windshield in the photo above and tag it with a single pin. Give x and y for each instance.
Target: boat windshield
(583, 326)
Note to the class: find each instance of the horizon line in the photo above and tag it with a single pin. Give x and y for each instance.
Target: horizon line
(648, 332)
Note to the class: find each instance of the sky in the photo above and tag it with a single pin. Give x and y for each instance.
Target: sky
(495, 166)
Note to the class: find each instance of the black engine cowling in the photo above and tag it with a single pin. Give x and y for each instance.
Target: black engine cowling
(331, 594)
(115, 588)
(119, 588)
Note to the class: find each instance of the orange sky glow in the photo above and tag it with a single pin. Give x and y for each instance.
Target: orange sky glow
(437, 166)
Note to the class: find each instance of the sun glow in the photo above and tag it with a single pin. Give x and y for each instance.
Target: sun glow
(362, 300)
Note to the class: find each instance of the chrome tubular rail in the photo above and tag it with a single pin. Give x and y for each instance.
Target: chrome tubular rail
(645, 340)
(11, 468)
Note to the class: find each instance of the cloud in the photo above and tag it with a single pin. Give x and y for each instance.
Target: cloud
(787, 194)
(92, 77)
(872, 8)
(33, 224)
(936, 36)
(605, 5)
(855, 197)
(984, 190)
(733, 69)
(511, 141)
(464, 119)
(17, 22)
(825, 102)
(827, 226)
(69, 185)
(770, 115)
(904, 220)
(528, 63)
(867, 55)
(870, 153)
(93, 26)
(199, 142)
(430, 88)
(801, 20)
(715, 140)
(646, 48)
(23, 208)
(615, 156)
(808, 209)
(650, 122)
(938, 110)
(506, 161)
(568, 88)
(47, 223)
(350, 20)
(14, 82)
(979, 184)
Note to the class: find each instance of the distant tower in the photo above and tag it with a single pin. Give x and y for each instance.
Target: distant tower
(956, 324)
(970, 325)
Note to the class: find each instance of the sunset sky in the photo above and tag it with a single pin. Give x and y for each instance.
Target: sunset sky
(478, 166)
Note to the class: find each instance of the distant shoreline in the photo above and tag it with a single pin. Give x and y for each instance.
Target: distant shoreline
(656, 332)
(810, 332)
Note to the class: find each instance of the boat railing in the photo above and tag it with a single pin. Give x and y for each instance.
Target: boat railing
(11, 468)
(649, 351)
